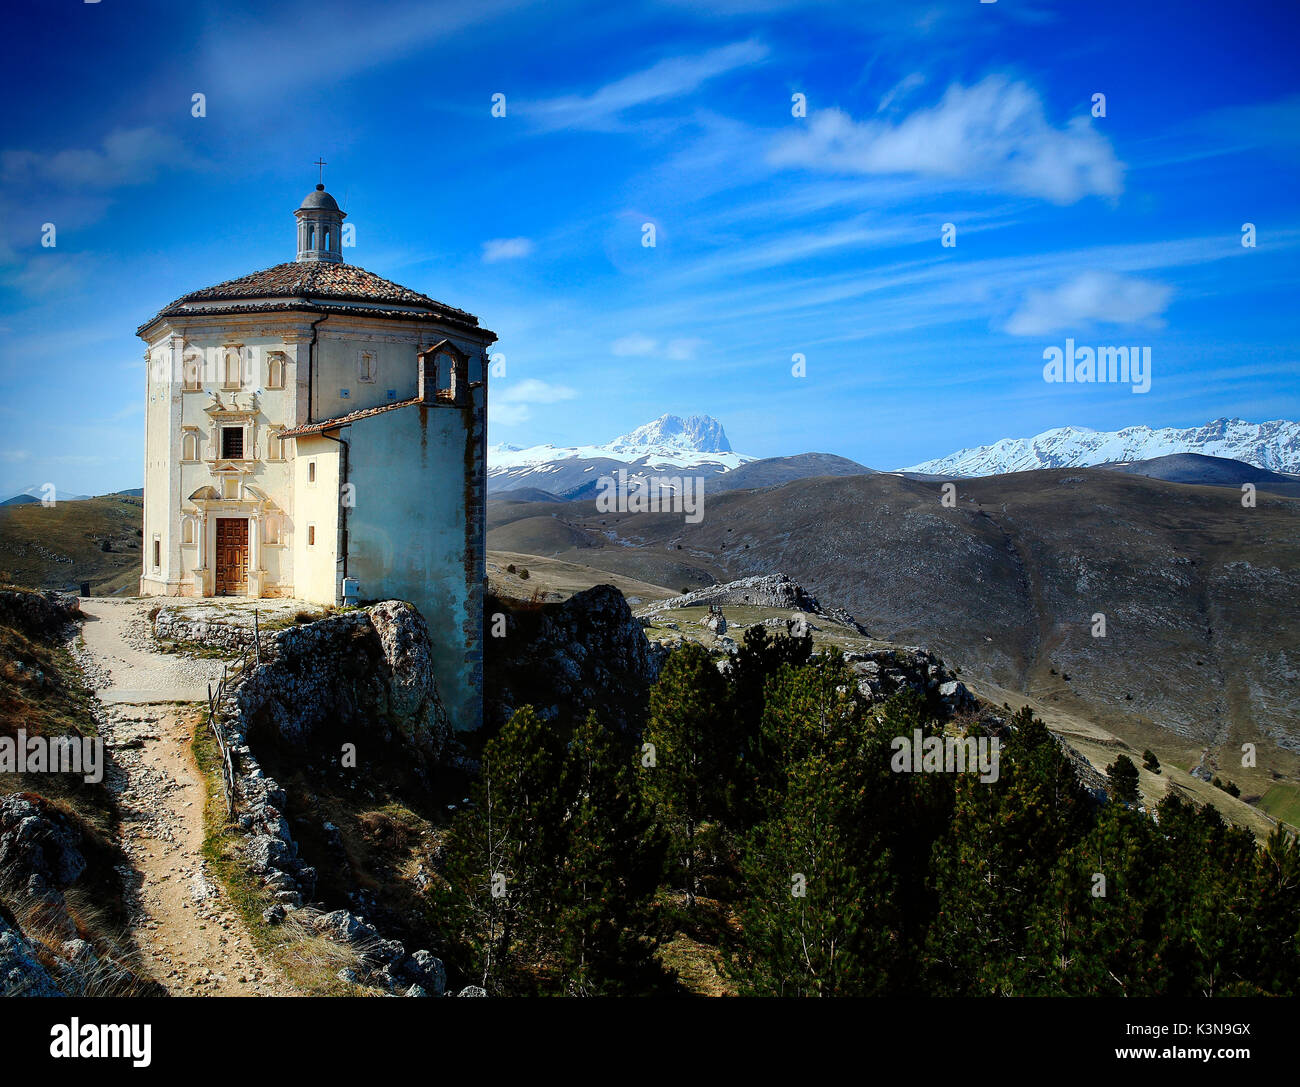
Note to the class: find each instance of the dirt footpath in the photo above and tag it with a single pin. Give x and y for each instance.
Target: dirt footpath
(191, 938)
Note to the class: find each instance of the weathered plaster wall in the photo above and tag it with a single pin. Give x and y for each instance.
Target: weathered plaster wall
(407, 536)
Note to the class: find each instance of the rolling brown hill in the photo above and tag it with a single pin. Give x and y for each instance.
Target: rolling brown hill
(60, 546)
(1201, 596)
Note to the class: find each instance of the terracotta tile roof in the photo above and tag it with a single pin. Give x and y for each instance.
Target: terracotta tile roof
(317, 286)
(344, 420)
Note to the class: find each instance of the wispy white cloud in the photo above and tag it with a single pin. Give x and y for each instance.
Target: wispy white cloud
(256, 42)
(1091, 298)
(513, 403)
(670, 78)
(506, 249)
(681, 349)
(46, 273)
(635, 344)
(994, 134)
(900, 90)
(126, 156)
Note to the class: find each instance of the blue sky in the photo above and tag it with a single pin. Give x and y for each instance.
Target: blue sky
(776, 235)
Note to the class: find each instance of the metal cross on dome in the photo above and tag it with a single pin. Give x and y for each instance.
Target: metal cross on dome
(322, 164)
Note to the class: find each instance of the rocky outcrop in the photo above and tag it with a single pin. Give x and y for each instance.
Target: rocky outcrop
(883, 673)
(364, 672)
(43, 852)
(760, 591)
(37, 612)
(356, 675)
(21, 974)
(40, 849)
(588, 652)
(381, 963)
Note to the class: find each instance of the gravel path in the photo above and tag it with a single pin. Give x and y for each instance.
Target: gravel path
(189, 935)
(116, 649)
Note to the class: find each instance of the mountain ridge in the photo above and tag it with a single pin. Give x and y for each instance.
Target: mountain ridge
(1273, 445)
(697, 443)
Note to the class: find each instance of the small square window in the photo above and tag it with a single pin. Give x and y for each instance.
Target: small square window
(344, 393)
(392, 394)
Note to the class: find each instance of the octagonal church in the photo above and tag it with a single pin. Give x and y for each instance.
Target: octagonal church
(315, 431)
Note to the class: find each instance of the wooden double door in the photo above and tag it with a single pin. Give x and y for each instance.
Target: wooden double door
(232, 556)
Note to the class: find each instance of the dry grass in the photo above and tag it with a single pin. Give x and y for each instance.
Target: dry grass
(308, 961)
(35, 539)
(118, 970)
(558, 580)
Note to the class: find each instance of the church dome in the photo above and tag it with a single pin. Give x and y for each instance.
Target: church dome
(318, 198)
(318, 282)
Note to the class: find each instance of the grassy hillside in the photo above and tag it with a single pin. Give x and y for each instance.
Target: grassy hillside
(1201, 596)
(60, 546)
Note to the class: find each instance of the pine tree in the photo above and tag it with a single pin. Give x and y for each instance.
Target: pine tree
(504, 854)
(1101, 928)
(613, 860)
(692, 762)
(996, 861)
(1123, 777)
(754, 666)
(819, 916)
(1269, 960)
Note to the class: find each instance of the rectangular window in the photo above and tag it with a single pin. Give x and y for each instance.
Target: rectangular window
(157, 552)
(311, 535)
(311, 471)
(232, 443)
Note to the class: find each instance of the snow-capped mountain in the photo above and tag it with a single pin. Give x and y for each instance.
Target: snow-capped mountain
(1273, 445)
(696, 433)
(697, 444)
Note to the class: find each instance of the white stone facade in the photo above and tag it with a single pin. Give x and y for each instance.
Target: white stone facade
(381, 479)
